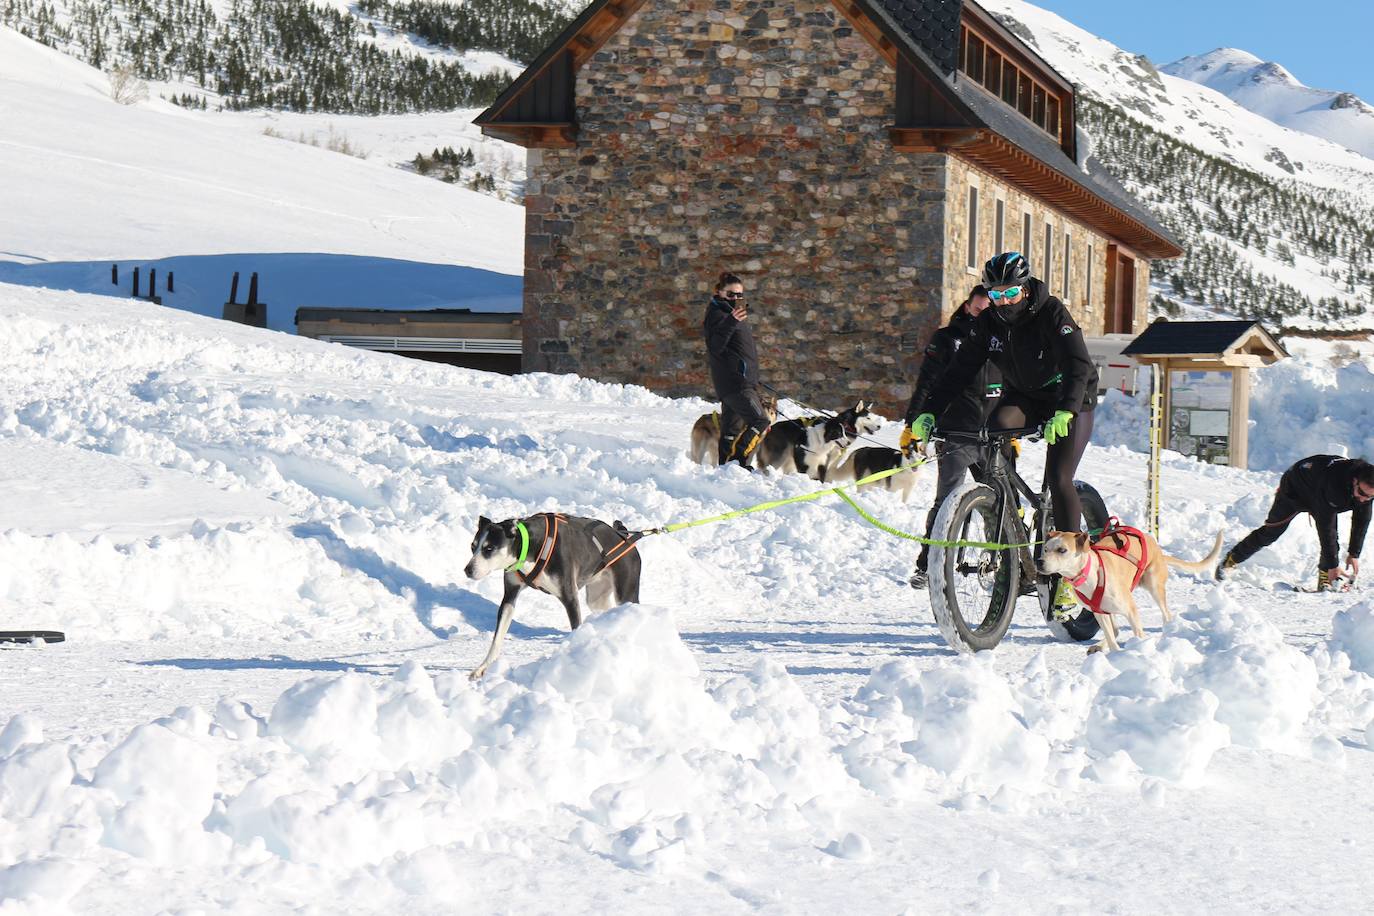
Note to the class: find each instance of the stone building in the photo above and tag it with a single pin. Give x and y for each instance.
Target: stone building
(854, 161)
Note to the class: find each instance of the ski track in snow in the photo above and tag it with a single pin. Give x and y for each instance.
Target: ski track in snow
(255, 543)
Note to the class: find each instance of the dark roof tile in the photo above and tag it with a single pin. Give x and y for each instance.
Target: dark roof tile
(1163, 338)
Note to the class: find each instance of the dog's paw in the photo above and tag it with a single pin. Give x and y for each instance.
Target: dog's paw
(1097, 648)
(477, 673)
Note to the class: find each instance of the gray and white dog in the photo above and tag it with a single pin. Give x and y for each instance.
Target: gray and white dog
(563, 555)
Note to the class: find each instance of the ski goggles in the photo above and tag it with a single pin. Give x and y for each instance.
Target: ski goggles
(1011, 292)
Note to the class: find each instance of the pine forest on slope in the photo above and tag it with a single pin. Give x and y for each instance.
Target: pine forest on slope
(295, 55)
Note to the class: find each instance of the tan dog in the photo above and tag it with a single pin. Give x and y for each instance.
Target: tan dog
(706, 432)
(1096, 569)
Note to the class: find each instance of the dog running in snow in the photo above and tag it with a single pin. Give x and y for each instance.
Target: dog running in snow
(706, 432)
(1100, 573)
(810, 446)
(564, 555)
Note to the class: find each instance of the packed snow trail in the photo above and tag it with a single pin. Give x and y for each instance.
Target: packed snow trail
(255, 544)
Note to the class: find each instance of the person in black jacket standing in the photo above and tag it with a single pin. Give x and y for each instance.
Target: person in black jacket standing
(1323, 486)
(734, 362)
(969, 410)
(1047, 378)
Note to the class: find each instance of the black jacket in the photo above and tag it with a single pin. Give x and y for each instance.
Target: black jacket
(1324, 485)
(1041, 355)
(971, 407)
(730, 350)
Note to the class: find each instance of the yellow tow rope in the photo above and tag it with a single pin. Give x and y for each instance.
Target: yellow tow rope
(839, 491)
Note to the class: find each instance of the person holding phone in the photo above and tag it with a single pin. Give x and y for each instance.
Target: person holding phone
(734, 363)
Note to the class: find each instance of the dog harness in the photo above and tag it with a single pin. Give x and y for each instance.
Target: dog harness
(1121, 535)
(541, 561)
(552, 521)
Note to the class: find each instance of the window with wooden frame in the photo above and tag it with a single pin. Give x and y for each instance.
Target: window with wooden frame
(1088, 292)
(973, 57)
(1048, 275)
(1009, 77)
(1068, 268)
(992, 72)
(1000, 227)
(972, 227)
(995, 72)
(1026, 236)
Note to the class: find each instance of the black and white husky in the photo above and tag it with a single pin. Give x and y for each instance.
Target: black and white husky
(861, 462)
(810, 446)
(563, 554)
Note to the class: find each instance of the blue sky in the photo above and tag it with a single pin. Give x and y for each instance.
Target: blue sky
(1324, 43)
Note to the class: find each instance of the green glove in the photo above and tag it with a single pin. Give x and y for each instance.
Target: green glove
(1058, 426)
(923, 426)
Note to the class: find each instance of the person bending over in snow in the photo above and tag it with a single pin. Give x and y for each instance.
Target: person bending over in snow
(1323, 486)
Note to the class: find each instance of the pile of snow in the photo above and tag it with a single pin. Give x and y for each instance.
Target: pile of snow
(616, 745)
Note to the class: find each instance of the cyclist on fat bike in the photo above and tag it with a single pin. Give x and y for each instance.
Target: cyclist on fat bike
(1047, 378)
(969, 410)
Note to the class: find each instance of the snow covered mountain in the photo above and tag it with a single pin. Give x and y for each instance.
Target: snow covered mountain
(1269, 90)
(1276, 222)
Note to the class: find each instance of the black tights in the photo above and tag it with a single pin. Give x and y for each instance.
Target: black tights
(1061, 460)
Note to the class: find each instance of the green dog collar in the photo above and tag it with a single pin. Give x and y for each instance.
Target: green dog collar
(524, 548)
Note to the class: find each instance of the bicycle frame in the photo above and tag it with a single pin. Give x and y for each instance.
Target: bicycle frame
(997, 472)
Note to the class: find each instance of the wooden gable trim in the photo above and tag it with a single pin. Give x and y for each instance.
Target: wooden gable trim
(870, 30)
(578, 42)
(1020, 169)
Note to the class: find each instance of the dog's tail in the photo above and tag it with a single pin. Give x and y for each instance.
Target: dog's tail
(1206, 564)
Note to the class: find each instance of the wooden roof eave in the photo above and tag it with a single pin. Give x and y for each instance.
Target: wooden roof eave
(1023, 170)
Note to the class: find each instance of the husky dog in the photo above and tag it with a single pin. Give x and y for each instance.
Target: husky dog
(563, 554)
(706, 432)
(861, 462)
(810, 446)
(1110, 569)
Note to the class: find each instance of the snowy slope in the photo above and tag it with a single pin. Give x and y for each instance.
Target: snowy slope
(89, 182)
(1196, 114)
(264, 705)
(1269, 90)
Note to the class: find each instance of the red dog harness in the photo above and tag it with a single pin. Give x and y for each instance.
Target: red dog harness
(1120, 534)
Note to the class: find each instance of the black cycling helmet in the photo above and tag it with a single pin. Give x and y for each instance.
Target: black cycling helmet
(1010, 268)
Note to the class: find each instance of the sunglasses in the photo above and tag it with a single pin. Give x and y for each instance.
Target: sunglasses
(1011, 292)
(736, 297)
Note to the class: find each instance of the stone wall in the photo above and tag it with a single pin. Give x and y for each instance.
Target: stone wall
(1086, 305)
(747, 135)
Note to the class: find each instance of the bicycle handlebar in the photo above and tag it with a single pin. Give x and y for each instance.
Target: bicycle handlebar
(988, 435)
